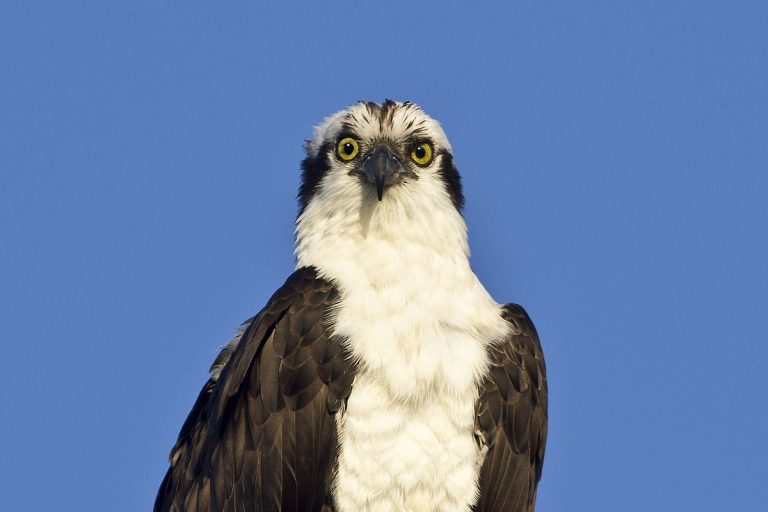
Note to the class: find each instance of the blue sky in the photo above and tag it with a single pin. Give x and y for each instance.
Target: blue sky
(615, 161)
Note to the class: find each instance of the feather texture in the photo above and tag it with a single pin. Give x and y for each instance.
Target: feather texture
(511, 418)
(262, 436)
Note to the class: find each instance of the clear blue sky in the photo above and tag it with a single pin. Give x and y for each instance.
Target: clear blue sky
(615, 162)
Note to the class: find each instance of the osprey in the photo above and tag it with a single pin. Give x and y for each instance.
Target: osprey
(381, 376)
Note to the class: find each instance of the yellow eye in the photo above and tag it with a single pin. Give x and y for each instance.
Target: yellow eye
(422, 154)
(347, 149)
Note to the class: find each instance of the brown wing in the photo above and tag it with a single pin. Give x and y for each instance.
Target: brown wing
(512, 419)
(263, 435)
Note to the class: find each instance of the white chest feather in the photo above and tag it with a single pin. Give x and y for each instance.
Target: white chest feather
(416, 455)
(418, 322)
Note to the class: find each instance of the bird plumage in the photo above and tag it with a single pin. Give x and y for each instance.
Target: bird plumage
(382, 375)
(241, 447)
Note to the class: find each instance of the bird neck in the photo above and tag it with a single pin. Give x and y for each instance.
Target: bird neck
(356, 238)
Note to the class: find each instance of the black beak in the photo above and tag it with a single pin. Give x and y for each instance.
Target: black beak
(381, 167)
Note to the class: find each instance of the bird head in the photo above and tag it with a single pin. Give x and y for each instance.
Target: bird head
(381, 152)
(379, 181)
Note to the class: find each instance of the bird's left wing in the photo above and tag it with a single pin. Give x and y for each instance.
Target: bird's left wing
(262, 433)
(511, 418)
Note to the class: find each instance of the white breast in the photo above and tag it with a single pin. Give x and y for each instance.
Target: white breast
(416, 455)
(418, 322)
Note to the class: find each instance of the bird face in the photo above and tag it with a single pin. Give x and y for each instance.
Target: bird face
(382, 165)
(376, 149)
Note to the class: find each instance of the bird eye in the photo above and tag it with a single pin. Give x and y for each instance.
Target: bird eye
(347, 149)
(422, 154)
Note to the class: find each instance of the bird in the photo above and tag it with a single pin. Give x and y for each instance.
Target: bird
(382, 375)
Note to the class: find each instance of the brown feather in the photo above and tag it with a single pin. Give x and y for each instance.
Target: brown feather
(511, 419)
(263, 436)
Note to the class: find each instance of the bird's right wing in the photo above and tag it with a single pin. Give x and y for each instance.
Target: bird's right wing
(262, 436)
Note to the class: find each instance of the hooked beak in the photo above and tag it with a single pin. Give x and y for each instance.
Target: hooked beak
(381, 167)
